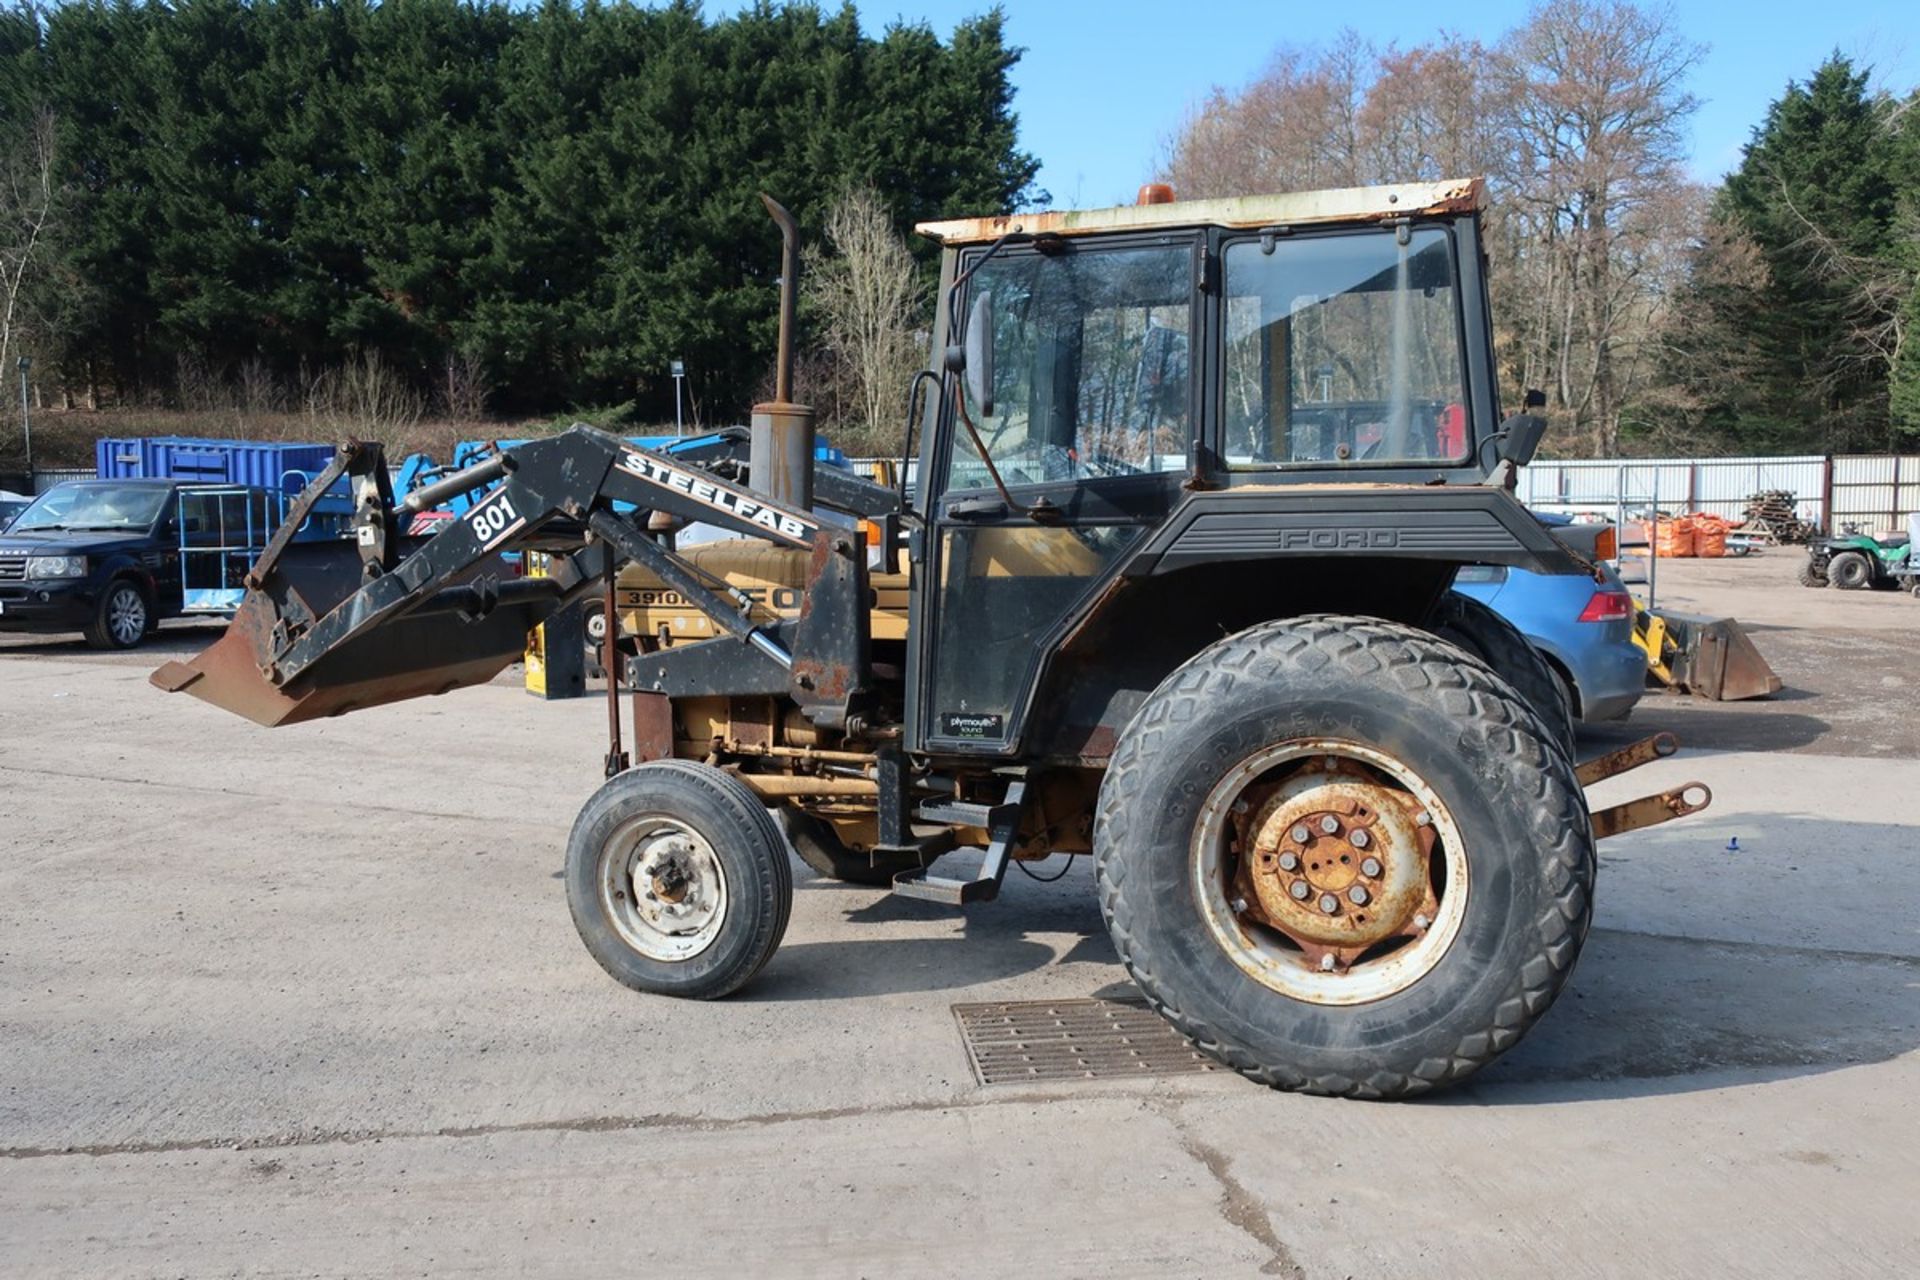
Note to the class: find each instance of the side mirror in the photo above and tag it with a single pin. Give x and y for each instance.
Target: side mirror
(1520, 437)
(975, 357)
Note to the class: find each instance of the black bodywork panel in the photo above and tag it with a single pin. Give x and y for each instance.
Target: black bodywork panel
(1457, 523)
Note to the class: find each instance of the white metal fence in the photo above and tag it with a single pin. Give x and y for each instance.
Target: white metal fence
(1874, 491)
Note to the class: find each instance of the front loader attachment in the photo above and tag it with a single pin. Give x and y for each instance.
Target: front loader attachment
(335, 627)
(1706, 657)
(465, 634)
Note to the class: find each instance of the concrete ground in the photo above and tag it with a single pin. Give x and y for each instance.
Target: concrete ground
(307, 1002)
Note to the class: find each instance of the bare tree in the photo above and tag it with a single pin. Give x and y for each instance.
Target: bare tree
(1597, 126)
(870, 298)
(1577, 119)
(29, 200)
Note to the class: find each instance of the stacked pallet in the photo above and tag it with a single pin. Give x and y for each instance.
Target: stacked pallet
(1772, 516)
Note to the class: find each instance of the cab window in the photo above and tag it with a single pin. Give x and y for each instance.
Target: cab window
(1091, 367)
(1344, 349)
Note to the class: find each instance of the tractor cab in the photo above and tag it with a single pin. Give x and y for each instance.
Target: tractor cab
(1254, 372)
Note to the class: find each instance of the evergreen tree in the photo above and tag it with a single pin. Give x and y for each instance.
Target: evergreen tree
(566, 194)
(1817, 192)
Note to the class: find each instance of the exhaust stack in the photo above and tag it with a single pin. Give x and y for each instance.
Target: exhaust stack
(780, 448)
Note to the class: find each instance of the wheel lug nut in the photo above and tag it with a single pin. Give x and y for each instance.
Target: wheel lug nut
(1329, 903)
(1421, 921)
(1423, 819)
(1300, 833)
(1326, 964)
(1289, 862)
(1357, 896)
(1300, 890)
(1359, 838)
(1239, 906)
(1370, 867)
(1329, 824)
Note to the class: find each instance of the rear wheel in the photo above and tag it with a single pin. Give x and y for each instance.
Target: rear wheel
(1850, 571)
(678, 880)
(1467, 623)
(820, 847)
(122, 618)
(1342, 858)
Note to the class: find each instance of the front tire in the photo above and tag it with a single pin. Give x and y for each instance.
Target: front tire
(678, 880)
(1813, 573)
(122, 619)
(1468, 920)
(1850, 571)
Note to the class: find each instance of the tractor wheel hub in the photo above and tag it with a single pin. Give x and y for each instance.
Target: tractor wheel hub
(1360, 875)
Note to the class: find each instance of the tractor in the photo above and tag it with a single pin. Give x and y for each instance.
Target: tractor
(1170, 588)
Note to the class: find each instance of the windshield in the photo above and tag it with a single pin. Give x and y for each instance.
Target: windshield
(93, 506)
(1344, 349)
(1090, 366)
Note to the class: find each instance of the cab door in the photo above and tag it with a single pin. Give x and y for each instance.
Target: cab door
(1035, 505)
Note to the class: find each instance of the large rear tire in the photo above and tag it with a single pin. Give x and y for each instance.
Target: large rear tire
(1467, 623)
(678, 880)
(1417, 954)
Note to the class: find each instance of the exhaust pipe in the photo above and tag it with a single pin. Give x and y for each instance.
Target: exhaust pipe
(780, 448)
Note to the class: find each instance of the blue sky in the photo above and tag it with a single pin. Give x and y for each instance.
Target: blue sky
(1102, 84)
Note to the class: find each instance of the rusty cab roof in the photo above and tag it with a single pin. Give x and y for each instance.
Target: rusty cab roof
(1296, 208)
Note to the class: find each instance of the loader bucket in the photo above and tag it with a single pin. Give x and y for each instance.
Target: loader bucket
(464, 634)
(1715, 658)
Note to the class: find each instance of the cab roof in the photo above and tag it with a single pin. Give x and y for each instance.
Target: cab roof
(1346, 204)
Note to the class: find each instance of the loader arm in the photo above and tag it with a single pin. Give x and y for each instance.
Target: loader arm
(329, 629)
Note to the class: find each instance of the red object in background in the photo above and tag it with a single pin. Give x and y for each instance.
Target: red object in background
(1451, 432)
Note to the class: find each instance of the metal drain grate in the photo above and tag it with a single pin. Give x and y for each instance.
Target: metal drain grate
(1072, 1040)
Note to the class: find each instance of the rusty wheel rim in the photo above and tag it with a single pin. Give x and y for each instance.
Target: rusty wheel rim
(662, 888)
(1329, 871)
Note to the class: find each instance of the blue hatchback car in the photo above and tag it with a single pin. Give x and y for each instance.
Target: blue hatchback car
(1584, 628)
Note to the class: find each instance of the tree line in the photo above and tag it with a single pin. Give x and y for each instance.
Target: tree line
(1776, 311)
(523, 208)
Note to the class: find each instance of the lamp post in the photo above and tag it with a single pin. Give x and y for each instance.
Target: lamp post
(679, 370)
(26, 422)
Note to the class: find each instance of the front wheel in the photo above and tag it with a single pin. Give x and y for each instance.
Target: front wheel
(1342, 858)
(1813, 573)
(1849, 571)
(122, 618)
(678, 880)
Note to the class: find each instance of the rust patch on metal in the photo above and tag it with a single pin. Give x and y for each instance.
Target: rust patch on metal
(1651, 811)
(652, 726)
(1349, 204)
(1631, 756)
(1336, 862)
(751, 721)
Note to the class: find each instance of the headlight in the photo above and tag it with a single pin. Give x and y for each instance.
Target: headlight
(56, 566)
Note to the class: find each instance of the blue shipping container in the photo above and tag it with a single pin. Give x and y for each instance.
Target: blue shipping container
(277, 466)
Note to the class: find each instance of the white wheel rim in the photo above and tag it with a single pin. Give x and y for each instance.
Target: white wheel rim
(1264, 954)
(662, 888)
